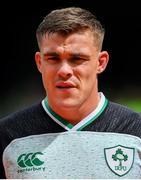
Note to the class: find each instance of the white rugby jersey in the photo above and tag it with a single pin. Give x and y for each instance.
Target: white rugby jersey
(38, 143)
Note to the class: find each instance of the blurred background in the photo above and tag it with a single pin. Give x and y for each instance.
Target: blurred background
(21, 83)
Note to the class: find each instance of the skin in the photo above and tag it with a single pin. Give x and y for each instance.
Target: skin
(69, 66)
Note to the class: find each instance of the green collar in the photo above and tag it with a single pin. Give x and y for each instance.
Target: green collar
(84, 122)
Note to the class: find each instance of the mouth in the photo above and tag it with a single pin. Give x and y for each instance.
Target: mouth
(65, 85)
(60, 87)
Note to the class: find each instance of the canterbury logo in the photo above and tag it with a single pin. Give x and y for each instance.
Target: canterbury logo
(30, 159)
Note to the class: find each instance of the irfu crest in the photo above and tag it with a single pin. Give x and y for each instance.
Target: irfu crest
(119, 159)
(119, 156)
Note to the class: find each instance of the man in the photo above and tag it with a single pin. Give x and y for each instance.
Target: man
(75, 132)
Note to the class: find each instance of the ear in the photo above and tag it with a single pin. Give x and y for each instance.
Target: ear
(103, 61)
(38, 60)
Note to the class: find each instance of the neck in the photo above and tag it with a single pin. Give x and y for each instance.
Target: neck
(78, 113)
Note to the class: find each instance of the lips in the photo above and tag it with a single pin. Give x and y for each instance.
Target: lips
(65, 85)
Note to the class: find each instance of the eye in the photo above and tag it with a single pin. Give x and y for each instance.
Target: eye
(53, 58)
(78, 60)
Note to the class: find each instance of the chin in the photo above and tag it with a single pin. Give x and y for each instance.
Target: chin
(68, 103)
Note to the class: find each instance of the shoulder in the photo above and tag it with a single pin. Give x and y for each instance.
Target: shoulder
(19, 124)
(123, 110)
(23, 114)
(124, 119)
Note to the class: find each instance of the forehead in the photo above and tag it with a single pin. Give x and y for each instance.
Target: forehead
(79, 41)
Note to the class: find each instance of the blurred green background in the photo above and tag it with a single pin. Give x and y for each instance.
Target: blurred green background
(134, 104)
(129, 96)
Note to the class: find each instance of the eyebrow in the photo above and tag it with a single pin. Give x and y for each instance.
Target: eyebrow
(80, 55)
(70, 54)
(51, 54)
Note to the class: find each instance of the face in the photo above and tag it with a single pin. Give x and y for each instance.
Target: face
(69, 66)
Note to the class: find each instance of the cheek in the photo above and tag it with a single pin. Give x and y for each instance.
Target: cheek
(88, 72)
(89, 78)
(47, 77)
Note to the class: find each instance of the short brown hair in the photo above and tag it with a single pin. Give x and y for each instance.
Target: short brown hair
(70, 20)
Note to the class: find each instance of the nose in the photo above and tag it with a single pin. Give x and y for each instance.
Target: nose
(65, 70)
